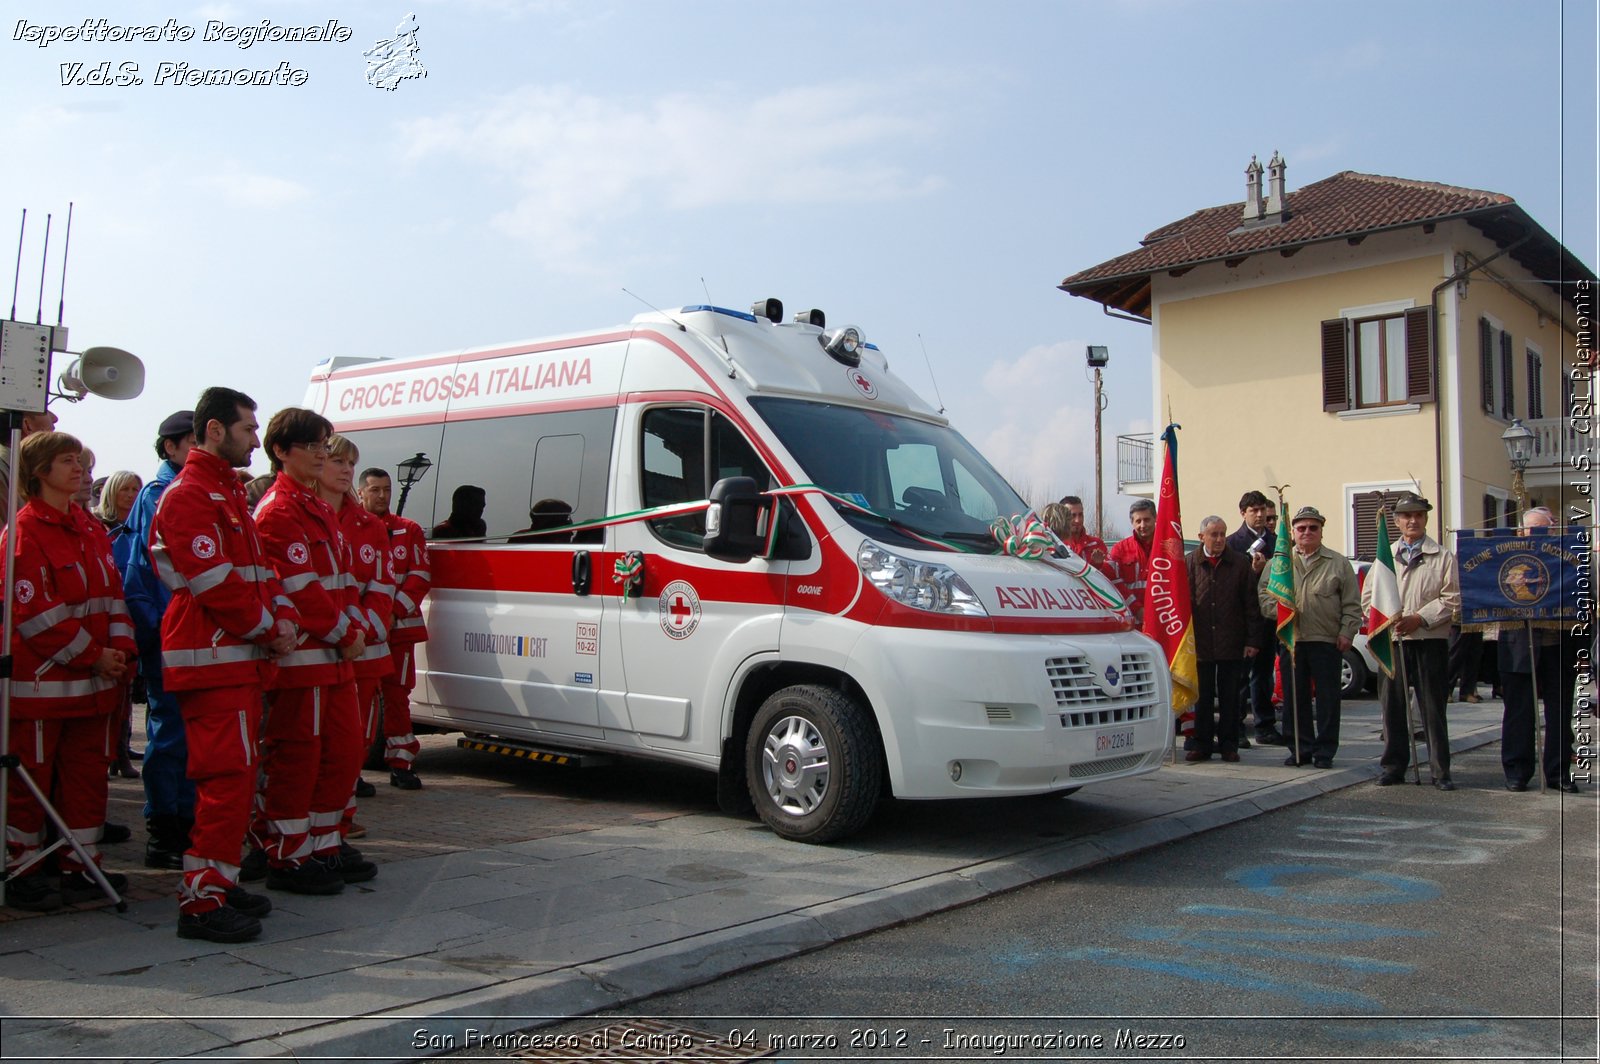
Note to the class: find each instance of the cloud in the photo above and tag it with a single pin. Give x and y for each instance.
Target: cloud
(1045, 444)
(581, 161)
(243, 189)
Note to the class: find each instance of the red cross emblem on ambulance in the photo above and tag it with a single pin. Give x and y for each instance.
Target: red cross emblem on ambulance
(679, 609)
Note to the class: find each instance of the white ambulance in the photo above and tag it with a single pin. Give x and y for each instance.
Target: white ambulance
(770, 559)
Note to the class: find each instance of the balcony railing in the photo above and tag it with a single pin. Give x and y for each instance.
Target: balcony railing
(1135, 460)
(1555, 440)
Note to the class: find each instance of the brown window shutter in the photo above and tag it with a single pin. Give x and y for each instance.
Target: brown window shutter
(1508, 380)
(1510, 514)
(1335, 365)
(1486, 363)
(1366, 506)
(1535, 387)
(1419, 363)
(1491, 511)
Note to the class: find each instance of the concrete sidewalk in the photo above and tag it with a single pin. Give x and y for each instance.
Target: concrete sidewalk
(511, 892)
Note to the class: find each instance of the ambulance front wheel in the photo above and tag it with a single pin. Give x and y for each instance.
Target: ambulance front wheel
(813, 764)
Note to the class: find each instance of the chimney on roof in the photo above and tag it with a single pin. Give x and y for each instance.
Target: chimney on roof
(1275, 193)
(1252, 191)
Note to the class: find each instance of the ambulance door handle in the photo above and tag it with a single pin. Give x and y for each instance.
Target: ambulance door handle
(582, 572)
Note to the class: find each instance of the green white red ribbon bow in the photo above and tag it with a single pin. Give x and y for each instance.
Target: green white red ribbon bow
(629, 572)
(1023, 536)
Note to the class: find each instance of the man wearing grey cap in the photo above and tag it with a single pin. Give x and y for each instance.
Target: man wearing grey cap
(1430, 596)
(168, 793)
(1327, 616)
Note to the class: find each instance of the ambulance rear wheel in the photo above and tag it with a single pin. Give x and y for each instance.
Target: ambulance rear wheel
(813, 764)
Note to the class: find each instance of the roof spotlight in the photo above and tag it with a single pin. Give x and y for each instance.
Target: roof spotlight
(844, 344)
(771, 309)
(812, 317)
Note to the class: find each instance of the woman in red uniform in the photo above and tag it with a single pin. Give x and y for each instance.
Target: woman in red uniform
(72, 645)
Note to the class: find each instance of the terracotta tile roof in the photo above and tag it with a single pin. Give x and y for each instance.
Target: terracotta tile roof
(1343, 206)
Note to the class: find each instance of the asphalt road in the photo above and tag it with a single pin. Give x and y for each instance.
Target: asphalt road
(1374, 923)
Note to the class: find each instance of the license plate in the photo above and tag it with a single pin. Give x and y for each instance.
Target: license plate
(1113, 741)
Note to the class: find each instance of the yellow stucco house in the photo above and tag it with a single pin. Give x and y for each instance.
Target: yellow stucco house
(1357, 336)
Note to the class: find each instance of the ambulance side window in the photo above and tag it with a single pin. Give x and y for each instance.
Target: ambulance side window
(684, 454)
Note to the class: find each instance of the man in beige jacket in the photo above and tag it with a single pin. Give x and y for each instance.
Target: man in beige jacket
(1327, 617)
(1430, 596)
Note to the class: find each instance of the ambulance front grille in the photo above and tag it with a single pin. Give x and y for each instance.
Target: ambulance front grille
(1086, 705)
(1101, 768)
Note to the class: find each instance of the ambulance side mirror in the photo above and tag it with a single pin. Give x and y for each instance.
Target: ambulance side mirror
(733, 520)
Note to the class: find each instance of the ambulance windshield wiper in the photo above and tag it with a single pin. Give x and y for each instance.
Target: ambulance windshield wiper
(977, 539)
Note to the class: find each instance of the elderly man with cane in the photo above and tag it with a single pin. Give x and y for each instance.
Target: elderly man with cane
(1430, 596)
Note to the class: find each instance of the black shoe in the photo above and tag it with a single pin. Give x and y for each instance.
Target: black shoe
(1271, 738)
(349, 865)
(223, 924)
(78, 886)
(1195, 755)
(1517, 786)
(405, 779)
(309, 877)
(158, 856)
(1244, 743)
(1231, 756)
(253, 869)
(252, 905)
(1322, 762)
(111, 834)
(365, 789)
(1292, 762)
(1443, 785)
(32, 894)
(1389, 779)
(1568, 787)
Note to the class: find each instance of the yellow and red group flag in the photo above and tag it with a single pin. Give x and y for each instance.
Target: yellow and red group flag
(1168, 613)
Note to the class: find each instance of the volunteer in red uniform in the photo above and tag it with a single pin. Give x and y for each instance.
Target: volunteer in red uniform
(227, 619)
(408, 551)
(311, 743)
(1131, 557)
(373, 573)
(72, 647)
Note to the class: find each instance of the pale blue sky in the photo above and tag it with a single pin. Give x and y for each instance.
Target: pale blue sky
(921, 169)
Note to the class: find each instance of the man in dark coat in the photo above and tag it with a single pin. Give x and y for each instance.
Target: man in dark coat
(1228, 630)
(1256, 539)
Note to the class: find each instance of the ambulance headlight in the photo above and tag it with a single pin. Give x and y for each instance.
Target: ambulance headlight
(918, 584)
(844, 344)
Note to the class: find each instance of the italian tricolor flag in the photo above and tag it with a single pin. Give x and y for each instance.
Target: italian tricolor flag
(1383, 607)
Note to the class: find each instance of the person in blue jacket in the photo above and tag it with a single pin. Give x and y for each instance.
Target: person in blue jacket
(168, 792)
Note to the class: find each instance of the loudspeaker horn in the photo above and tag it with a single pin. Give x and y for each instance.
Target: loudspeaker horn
(108, 372)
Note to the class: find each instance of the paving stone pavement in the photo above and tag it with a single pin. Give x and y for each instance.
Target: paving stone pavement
(511, 892)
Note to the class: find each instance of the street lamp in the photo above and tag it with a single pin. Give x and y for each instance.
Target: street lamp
(1519, 450)
(412, 470)
(1097, 356)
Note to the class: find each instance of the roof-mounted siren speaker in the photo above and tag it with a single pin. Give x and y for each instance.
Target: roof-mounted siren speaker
(771, 309)
(812, 317)
(108, 372)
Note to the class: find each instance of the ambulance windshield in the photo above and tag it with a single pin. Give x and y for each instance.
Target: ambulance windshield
(910, 475)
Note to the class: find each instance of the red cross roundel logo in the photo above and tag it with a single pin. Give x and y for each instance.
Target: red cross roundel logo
(679, 610)
(862, 383)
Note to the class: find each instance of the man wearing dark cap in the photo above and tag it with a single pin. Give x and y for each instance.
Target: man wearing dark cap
(1327, 616)
(1430, 597)
(168, 793)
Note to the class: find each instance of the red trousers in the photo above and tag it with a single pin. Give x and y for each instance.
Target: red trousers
(66, 758)
(367, 688)
(400, 746)
(219, 726)
(311, 752)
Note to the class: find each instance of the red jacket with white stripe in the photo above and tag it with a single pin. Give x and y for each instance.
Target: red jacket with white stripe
(308, 549)
(67, 608)
(374, 576)
(225, 598)
(408, 549)
(1131, 561)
